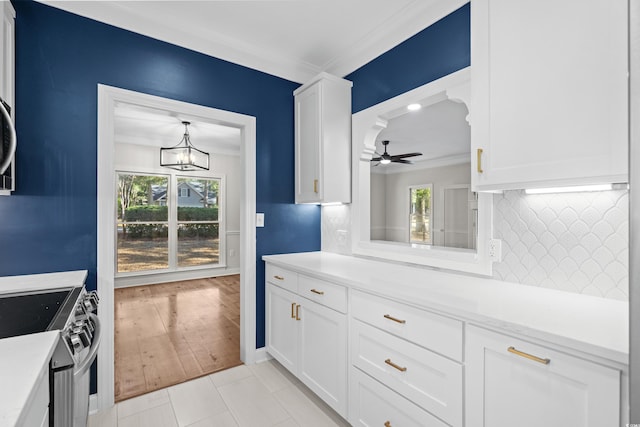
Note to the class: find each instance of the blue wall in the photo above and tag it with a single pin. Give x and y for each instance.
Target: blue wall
(49, 224)
(438, 50)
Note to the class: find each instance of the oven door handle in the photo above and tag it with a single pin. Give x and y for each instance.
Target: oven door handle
(83, 366)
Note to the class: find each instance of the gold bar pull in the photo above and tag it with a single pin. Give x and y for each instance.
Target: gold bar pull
(297, 311)
(315, 291)
(315, 186)
(528, 356)
(399, 368)
(387, 424)
(479, 164)
(278, 277)
(388, 316)
(293, 304)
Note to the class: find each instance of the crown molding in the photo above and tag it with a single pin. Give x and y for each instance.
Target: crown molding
(399, 27)
(408, 22)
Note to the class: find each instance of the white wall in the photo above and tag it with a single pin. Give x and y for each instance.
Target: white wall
(142, 158)
(390, 207)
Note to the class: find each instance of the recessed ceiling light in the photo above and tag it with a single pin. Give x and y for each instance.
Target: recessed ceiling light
(414, 107)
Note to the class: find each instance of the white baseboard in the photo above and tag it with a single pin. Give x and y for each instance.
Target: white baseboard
(261, 355)
(172, 276)
(93, 404)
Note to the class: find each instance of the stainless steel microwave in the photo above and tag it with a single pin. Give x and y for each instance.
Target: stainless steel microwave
(7, 147)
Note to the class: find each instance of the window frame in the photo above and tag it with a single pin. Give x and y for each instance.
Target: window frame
(172, 223)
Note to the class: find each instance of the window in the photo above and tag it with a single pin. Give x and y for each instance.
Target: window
(198, 225)
(156, 231)
(420, 214)
(142, 223)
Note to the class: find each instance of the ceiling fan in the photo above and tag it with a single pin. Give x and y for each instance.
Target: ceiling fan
(386, 158)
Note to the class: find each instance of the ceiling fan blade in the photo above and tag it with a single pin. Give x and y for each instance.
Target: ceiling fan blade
(376, 159)
(402, 156)
(401, 161)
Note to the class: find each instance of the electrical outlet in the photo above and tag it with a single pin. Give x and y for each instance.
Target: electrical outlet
(259, 220)
(495, 250)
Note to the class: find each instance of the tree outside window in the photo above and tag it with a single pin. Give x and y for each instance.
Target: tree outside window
(420, 214)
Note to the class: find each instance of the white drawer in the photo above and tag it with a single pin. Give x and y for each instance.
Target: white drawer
(281, 277)
(374, 405)
(427, 379)
(438, 333)
(325, 293)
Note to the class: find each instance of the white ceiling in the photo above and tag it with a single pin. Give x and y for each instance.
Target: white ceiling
(139, 125)
(293, 39)
(439, 131)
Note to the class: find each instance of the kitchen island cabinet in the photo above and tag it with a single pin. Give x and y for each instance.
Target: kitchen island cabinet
(24, 394)
(549, 93)
(431, 347)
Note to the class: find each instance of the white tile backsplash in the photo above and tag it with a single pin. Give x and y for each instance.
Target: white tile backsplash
(576, 242)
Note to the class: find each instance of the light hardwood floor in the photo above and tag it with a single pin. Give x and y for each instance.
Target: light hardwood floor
(169, 333)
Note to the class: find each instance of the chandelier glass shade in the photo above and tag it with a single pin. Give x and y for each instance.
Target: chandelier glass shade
(184, 156)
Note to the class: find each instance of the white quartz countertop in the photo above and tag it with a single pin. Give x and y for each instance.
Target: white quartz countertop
(23, 360)
(33, 282)
(597, 326)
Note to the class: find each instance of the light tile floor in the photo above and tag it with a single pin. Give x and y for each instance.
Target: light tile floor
(261, 395)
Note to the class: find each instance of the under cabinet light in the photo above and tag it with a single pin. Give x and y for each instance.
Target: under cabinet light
(414, 107)
(581, 188)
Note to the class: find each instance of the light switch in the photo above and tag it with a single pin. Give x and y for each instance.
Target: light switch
(259, 220)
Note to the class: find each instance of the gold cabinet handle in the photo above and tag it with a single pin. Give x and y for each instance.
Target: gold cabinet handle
(479, 163)
(528, 356)
(278, 277)
(315, 186)
(398, 367)
(297, 311)
(293, 305)
(315, 291)
(390, 317)
(387, 424)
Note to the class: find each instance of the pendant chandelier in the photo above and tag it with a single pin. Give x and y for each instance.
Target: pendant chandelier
(184, 156)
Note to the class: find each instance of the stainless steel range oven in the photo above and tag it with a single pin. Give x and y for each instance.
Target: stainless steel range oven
(72, 311)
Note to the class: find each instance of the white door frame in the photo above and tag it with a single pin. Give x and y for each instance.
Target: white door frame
(108, 96)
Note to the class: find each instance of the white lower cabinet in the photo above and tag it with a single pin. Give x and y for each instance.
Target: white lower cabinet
(403, 348)
(374, 405)
(310, 340)
(513, 382)
(408, 365)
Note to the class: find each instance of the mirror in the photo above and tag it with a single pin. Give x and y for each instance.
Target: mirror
(425, 212)
(424, 195)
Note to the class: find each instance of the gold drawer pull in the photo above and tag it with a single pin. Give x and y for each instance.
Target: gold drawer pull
(315, 186)
(390, 317)
(278, 277)
(297, 311)
(315, 291)
(528, 356)
(399, 368)
(479, 163)
(387, 424)
(293, 305)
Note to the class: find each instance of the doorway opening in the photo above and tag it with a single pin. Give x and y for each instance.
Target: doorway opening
(227, 238)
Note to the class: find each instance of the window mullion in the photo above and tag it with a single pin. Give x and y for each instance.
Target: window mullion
(173, 222)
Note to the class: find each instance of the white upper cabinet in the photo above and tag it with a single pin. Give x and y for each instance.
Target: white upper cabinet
(549, 93)
(323, 140)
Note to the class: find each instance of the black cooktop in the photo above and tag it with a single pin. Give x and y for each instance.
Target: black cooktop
(28, 313)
